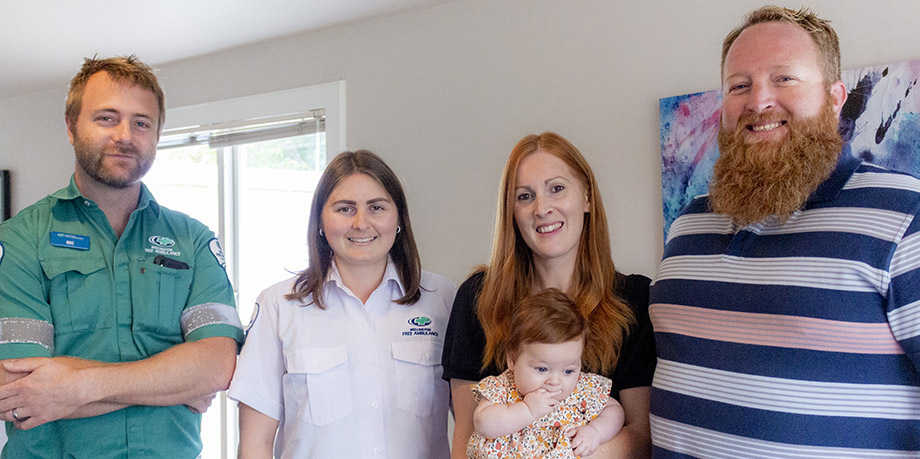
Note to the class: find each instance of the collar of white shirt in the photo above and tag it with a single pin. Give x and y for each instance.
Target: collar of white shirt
(389, 275)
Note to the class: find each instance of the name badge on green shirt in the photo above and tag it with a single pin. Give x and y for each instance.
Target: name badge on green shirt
(70, 241)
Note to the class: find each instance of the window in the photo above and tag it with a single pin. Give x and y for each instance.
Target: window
(247, 168)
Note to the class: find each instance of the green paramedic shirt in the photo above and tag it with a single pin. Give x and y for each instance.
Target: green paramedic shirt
(69, 286)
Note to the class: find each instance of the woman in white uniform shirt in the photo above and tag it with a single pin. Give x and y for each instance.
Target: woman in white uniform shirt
(343, 360)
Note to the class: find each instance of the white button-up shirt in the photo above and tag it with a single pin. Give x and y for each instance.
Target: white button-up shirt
(354, 380)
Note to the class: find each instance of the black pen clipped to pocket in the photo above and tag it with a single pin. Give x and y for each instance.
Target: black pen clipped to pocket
(167, 262)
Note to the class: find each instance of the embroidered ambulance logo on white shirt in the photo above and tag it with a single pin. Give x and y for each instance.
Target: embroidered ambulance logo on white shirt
(420, 321)
(252, 319)
(421, 327)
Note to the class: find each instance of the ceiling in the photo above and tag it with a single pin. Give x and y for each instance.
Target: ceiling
(44, 41)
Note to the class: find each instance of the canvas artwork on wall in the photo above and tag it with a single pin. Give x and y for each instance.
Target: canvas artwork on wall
(880, 120)
(5, 211)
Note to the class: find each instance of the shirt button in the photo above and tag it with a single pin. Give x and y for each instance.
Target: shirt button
(375, 404)
(86, 203)
(378, 450)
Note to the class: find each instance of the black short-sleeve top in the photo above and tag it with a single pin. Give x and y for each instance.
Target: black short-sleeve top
(464, 342)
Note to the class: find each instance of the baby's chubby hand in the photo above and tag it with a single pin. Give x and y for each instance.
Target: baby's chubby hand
(585, 439)
(541, 402)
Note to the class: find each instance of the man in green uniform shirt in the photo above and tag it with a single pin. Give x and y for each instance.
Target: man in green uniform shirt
(117, 320)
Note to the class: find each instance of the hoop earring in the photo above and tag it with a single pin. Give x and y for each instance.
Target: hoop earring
(321, 233)
(398, 229)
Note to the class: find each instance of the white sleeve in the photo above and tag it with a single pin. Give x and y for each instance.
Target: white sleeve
(257, 380)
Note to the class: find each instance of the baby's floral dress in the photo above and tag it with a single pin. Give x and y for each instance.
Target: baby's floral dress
(546, 438)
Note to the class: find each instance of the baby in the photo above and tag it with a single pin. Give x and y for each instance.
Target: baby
(543, 406)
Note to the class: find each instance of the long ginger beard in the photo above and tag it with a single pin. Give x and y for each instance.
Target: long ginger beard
(753, 181)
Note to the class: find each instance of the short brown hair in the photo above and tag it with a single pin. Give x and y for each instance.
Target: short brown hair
(548, 317)
(820, 31)
(404, 251)
(127, 69)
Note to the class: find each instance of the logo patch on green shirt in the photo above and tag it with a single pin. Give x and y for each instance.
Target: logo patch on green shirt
(218, 252)
(162, 245)
(161, 241)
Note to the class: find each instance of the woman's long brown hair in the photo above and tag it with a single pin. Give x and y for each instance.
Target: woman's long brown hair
(404, 251)
(509, 277)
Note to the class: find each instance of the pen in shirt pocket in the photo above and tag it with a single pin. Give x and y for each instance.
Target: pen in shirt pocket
(167, 262)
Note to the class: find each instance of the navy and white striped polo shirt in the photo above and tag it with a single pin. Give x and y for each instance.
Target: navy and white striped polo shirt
(799, 339)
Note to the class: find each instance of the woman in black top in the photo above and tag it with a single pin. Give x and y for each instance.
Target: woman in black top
(551, 231)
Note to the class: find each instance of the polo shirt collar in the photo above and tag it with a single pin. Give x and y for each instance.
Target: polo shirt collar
(830, 188)
(71, 192)
(389, 275)
(146, 200)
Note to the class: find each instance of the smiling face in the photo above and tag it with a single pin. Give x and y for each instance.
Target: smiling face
(779, 136)
(360, 221)
(550, 206)
(554, 367)
(115, 134)
(772, 74)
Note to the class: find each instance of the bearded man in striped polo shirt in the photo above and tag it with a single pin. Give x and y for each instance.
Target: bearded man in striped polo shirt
(787, 305)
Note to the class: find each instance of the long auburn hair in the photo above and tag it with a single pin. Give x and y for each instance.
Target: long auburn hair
(509, 277)
(404, 251)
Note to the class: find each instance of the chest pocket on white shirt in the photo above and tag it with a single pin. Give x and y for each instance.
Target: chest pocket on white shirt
(322, 384)
(416, 362)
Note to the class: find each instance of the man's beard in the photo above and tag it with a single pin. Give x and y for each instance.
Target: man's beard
(90, 159)
(753, 181)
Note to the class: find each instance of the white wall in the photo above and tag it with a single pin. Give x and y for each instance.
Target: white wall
(444, 93)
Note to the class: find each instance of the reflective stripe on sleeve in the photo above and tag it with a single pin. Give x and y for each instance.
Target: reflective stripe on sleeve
(201, 315)
(32, 331)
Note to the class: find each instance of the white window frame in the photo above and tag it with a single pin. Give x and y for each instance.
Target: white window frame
(328, 96)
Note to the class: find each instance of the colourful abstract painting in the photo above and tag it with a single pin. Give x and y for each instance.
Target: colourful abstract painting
(880, 120)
